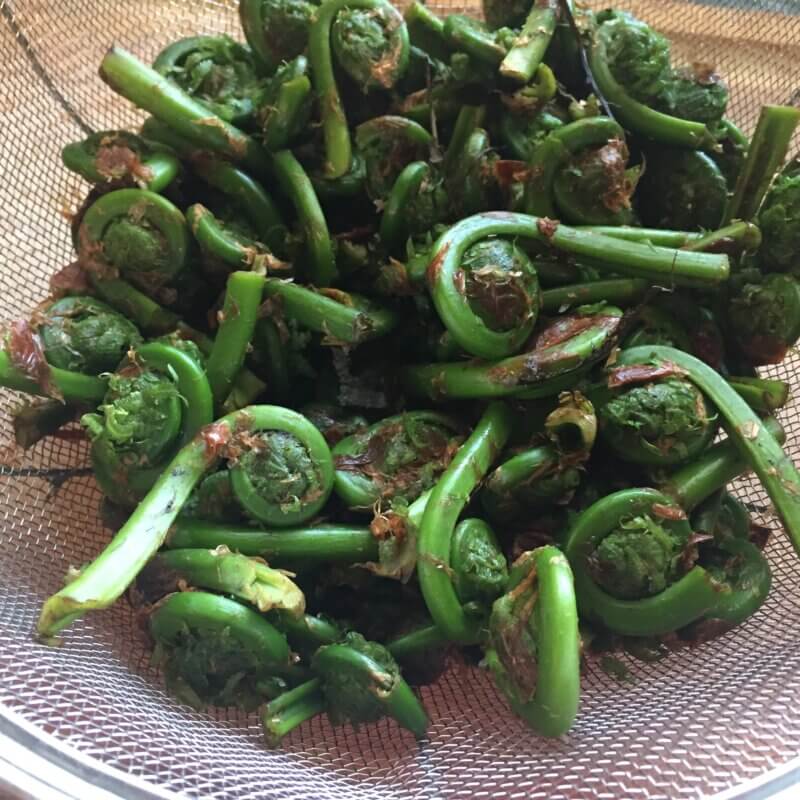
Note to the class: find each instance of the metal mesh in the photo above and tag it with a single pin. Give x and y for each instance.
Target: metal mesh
(699, 722)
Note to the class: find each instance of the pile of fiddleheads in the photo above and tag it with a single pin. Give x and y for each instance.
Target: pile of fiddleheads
(390, 339)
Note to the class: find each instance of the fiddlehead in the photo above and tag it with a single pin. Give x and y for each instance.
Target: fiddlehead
(683, 190)
(655, 417)
(136, 234)
(82, 334)
(217, 71)
(285, 474)
(631, 65)
(142, 422)
(215, 651)
(534, 647)
(118, 157)
(372, 35)
(397, 458)
(763, 319)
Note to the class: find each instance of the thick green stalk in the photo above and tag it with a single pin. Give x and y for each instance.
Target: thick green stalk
(744, 234)
(348, 544)
(468, 121)
(290, 709)
(320, 268)
(428, 637)
(148, 315)
(238, 320)
(394, 229)
(619, 291)
(158, 95)
(292, 96)
(763, 395)
(349, 320)
(74, 387)
(230, 573)
(657, 236)
(467, 35)
(529, 47)
(449, 496)
(712, 470)
(768, 147)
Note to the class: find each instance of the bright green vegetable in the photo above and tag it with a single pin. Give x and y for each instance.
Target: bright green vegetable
(348, 544)
(215, 651)
(223, 571)
(217, 71)
(656, 419)
(562, 352)
(534, 646)
(236, 325)
(359, 681)
(81, 334)
(397, 458)
(143, 420)
(381, 60)
(136, 234)
(529, 46)
(109, 575)
(118, 156)
(286, 473)
(491, 302)
(343, 318)
(449, 496)
(480, 571)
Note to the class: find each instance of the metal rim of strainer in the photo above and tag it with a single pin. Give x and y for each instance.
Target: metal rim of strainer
(35, 765)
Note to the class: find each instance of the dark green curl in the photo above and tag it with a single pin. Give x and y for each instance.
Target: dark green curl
(215, 651)
(137, 233)
(491, 305)
(398, 457)
(286, 474)
(217, 71)
(82, 334)
(659, 422)
(682, 189)
(277, 30)
(764, 318)
(143, 421)
(480, 571)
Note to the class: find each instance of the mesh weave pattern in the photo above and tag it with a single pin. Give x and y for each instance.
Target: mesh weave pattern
(697, 723)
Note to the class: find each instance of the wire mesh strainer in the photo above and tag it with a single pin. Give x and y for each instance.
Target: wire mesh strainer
(698, 723)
